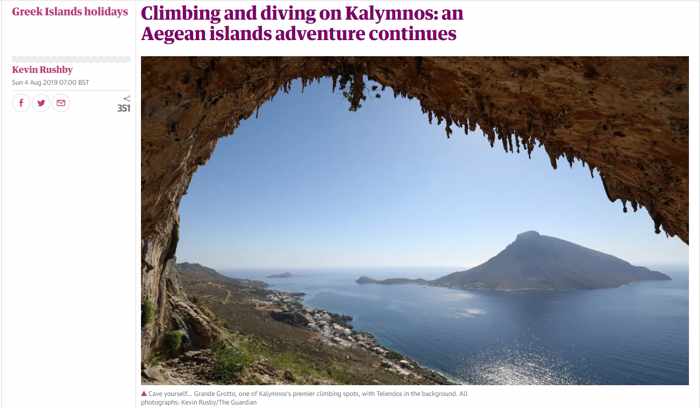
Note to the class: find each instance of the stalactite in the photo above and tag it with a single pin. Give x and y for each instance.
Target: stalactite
(510, 141)
(605, 188)
(591, 167)
(358, 91)
(470, 96)
(553, 156)
(448, 128)
(570, 159)
(478, 112)
(503, 141)
(552, 160)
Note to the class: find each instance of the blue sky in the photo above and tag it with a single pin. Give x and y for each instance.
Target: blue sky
(309, 184)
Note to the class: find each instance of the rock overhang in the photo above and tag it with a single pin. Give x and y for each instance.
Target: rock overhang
(625, 117)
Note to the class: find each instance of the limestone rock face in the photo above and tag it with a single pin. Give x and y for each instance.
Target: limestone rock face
(626, 117)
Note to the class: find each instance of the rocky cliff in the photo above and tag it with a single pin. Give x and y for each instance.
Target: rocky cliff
(626, 117)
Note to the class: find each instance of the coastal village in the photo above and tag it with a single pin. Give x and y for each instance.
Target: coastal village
(336, 330)
(271, 337)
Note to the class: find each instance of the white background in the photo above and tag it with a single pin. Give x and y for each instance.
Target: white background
(70, 188)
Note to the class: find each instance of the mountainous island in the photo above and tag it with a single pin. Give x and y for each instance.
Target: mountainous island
(540, 262)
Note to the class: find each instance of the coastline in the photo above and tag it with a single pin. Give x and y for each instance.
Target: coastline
(336, 330)
(271, 337)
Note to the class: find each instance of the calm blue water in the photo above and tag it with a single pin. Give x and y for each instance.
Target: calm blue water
(636, 334)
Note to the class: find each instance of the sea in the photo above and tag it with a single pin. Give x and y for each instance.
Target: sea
(634, 334)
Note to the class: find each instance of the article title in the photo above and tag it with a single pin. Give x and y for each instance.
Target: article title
(222, 23)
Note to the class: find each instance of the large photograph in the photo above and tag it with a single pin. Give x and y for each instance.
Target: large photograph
(414, 220)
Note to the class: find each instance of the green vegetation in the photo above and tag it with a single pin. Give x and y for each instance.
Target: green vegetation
(258, 350)
(297, 363)
(228, 362)
(392, 355)
(156, 358)
(341, 375)
(148, 313)
(173, 341)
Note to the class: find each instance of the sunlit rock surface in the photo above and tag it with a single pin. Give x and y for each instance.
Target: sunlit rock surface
(626, 117)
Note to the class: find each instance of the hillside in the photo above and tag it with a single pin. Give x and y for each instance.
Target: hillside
(272, 338)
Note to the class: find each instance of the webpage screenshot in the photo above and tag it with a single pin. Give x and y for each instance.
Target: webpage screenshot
(349, 203)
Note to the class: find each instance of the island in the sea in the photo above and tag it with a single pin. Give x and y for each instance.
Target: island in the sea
(540, 262)
(280, 275)
(392, 281)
